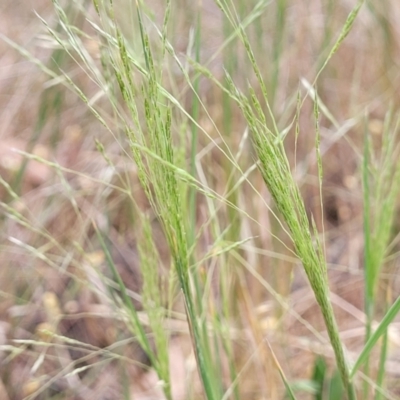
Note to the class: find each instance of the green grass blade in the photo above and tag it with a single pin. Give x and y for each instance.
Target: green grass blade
(319, 374)
(368, 268)
(382, 328)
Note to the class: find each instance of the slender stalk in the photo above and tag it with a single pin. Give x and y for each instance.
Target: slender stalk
(381, 367)
(195, 115)
(368, 295)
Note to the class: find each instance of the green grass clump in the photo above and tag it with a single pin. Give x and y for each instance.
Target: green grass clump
(188, 137)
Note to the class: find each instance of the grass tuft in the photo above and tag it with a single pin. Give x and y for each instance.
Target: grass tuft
(203, 201)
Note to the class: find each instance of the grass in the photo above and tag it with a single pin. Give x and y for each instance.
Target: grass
(184, 243)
